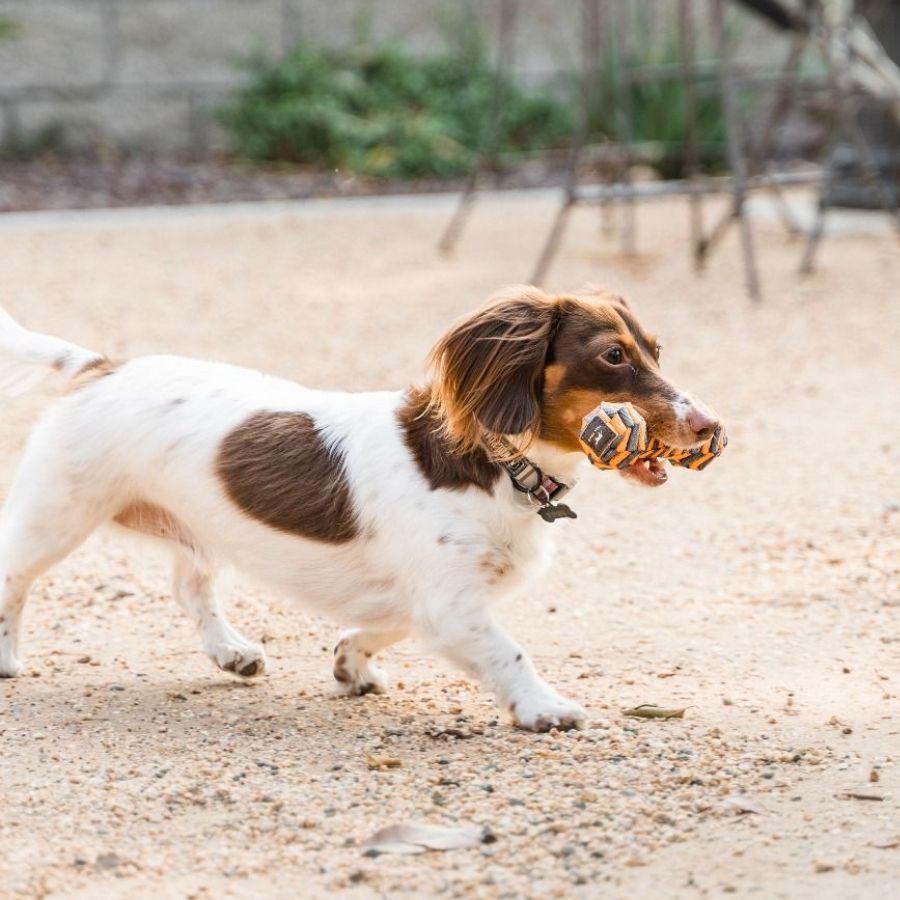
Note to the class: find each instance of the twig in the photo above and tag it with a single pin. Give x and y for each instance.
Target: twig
(649, 711)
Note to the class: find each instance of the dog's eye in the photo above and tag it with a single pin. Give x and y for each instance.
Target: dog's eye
(614, 356)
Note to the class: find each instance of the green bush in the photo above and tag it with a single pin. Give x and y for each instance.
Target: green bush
(379, 111)
(658, 112)
(9, 28)
(382, 112)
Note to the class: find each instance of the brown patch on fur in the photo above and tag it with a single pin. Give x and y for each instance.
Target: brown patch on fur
(277, 469)
(553, 378)
(93, 370)
(563, 412)
(153, 520)
(441, 465)
(495, 563)
(340, 671)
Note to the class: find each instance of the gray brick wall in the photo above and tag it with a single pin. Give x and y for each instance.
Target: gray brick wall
(148, 74)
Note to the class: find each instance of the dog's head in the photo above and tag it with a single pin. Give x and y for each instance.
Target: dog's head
(530, 366)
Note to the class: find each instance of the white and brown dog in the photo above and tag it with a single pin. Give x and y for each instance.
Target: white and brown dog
(392, 511)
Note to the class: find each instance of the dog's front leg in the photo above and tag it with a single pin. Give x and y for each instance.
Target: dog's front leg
(463, 631)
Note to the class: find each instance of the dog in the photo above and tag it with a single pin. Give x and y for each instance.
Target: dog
(395, 512)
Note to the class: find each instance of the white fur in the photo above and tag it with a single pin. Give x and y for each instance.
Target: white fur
(425, 561)
(26, 357)
(682, 407)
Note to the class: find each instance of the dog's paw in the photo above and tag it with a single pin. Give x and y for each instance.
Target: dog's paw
(10, 666)
(370, 681)
(246, 660)
(544, 711)
(354, 673)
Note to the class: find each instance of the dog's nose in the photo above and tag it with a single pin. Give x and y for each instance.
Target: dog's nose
(703, 422)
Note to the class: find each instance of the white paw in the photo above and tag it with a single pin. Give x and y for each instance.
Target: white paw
(355, 675)
(546, 710)
(247, 660)
(10, 666)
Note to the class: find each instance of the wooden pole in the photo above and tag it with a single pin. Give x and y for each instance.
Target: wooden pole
(490, 143)
(736, 158)
(689, 93)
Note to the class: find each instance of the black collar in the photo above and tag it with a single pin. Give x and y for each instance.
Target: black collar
(542, 490)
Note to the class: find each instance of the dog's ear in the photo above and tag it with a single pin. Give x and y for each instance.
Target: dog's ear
(489, 368)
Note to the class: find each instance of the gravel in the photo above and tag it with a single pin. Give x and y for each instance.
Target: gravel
(761, 594)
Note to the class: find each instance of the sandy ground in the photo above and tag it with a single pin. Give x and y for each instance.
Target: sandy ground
(761, 594)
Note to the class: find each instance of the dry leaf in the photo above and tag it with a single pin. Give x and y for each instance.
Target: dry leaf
(742, 805)
(383, 762)
(413, 837)
(890, 844)
(649, 711)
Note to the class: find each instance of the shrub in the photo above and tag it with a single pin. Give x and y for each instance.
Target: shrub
(658, 112)
(382, 112)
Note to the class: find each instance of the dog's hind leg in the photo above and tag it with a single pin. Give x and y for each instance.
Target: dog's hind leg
(353, 668)
(194, 589)
(45, 517)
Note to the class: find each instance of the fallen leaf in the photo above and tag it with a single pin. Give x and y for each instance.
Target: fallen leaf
(742, 805)
(414, 837)
(649, 711)
(890, 844)
(383, 762)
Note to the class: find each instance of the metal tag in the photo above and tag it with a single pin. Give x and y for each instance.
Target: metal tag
(553, 511)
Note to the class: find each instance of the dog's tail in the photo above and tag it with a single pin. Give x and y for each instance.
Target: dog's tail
(27, 356)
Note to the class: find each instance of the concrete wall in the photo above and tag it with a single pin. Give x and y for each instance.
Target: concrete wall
(148, 74)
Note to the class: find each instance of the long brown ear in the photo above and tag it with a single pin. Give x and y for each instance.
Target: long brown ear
(489, 368)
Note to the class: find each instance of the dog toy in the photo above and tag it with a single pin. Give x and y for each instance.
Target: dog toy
(615, 436)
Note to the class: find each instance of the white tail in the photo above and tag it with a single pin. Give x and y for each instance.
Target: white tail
(27, 356)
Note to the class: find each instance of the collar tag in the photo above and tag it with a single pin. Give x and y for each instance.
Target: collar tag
(542, 490)
(553, 511)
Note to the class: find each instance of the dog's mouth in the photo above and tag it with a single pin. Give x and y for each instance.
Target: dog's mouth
(650, 472)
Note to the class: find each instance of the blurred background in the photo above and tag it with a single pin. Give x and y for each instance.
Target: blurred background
(177, 100)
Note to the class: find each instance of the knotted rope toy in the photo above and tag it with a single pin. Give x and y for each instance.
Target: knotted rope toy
(615, 436)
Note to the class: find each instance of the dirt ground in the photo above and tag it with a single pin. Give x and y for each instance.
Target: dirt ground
(761, 594)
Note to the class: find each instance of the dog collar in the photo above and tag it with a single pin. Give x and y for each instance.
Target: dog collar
(543, 491)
